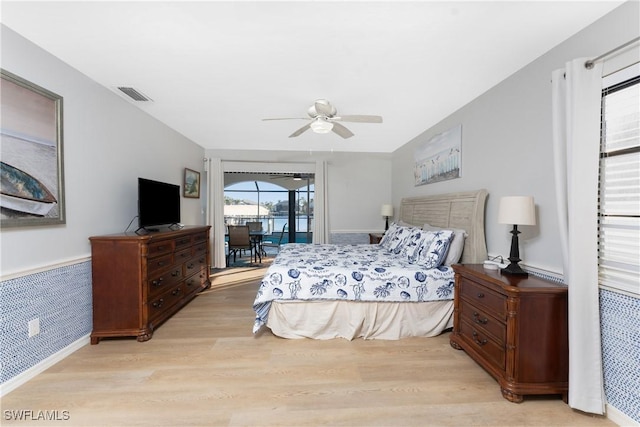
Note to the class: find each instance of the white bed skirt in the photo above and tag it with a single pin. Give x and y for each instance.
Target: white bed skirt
(325, 320)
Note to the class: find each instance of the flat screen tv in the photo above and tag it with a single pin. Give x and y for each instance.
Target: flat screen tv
(158, 203)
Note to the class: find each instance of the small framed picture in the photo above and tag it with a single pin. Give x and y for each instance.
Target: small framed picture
(191, 184)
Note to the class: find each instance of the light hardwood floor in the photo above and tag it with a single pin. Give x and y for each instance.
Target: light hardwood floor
(204, 367)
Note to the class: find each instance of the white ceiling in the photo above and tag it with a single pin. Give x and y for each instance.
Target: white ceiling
(215, 69)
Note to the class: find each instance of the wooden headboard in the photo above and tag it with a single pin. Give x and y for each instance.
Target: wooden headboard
(453, 210)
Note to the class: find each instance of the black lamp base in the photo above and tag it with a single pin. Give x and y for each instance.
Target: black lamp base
(514, 268)
(386, 224)
(514, 256)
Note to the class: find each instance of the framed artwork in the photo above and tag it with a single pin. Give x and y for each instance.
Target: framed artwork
(439, 158)
(191, 184)
(32, 174)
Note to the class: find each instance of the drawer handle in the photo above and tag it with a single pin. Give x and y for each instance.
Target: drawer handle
(161, 248)
(480, 295)
(190, 266)
(175, 292)
(161, 263)
(158, 304)
(477, 319)
(190, 282)
(175, 273)
(479, 342)
(158, 282)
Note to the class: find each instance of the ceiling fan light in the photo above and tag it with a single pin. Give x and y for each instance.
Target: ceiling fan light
(321, 125)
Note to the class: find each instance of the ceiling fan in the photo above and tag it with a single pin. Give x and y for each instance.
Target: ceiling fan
(324, 119)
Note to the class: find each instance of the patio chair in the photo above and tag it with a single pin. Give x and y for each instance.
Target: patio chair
(239, 240)
(272, 244)
(254, 225)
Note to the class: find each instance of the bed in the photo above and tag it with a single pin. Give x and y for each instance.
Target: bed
(402, 287)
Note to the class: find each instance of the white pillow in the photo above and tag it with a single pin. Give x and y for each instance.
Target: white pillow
(455, 246)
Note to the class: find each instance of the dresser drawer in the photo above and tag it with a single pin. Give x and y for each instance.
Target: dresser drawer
(160, 248)
(183, 242)
(194, 283)
(484, 344)
(200, 237)
(159, 263)
(163, 302)
(200, 249)
(183, 255)
(195, 265)
(163, 280)
(478, 295)
(483, 320)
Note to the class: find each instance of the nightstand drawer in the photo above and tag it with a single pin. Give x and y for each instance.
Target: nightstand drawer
(482, 320)
(478, 295)
(484, 344)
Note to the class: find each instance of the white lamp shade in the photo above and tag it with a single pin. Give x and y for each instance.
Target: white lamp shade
(321, 125)
(387, 210)
(518, 210)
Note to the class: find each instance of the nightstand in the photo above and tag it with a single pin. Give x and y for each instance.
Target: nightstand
(515, 327)
(374, 238)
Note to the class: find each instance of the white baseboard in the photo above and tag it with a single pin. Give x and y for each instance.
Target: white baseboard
(22, 378)
(621, 419)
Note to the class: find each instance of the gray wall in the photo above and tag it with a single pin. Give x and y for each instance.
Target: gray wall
(108, 144)
(507, 142)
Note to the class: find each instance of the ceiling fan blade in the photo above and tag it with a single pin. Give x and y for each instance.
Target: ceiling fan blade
(359, 118)
(324, 108)
(342, 131)
(300, 131)
(288, 118)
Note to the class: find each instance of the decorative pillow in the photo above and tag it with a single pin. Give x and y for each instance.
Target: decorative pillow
(388, 235)
(414, 244)
(434, 248)
(399, 239)
(455, 246)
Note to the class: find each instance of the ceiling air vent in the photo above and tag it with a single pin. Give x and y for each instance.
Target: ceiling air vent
(133, 94)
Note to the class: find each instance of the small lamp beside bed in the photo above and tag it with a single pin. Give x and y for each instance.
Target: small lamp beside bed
(386, 212)
(516, 210)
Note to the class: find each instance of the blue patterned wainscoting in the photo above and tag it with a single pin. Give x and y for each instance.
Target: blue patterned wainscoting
(620, 326)
(60, 298)
(349, 238)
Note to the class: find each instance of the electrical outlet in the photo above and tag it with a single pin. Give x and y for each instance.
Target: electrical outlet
(34, 327)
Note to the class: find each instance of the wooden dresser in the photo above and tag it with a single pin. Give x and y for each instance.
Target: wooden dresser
(139, 281)
(515, 327)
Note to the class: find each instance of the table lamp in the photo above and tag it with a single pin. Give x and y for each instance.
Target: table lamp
(386, 212)
(516, 210)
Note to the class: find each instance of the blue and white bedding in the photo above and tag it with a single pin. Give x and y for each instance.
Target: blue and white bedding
(378, 273)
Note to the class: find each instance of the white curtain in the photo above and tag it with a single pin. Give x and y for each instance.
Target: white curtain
(216, 212)
(576, 94)
(320, 211)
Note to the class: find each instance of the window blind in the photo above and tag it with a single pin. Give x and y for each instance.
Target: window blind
(619, 192)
